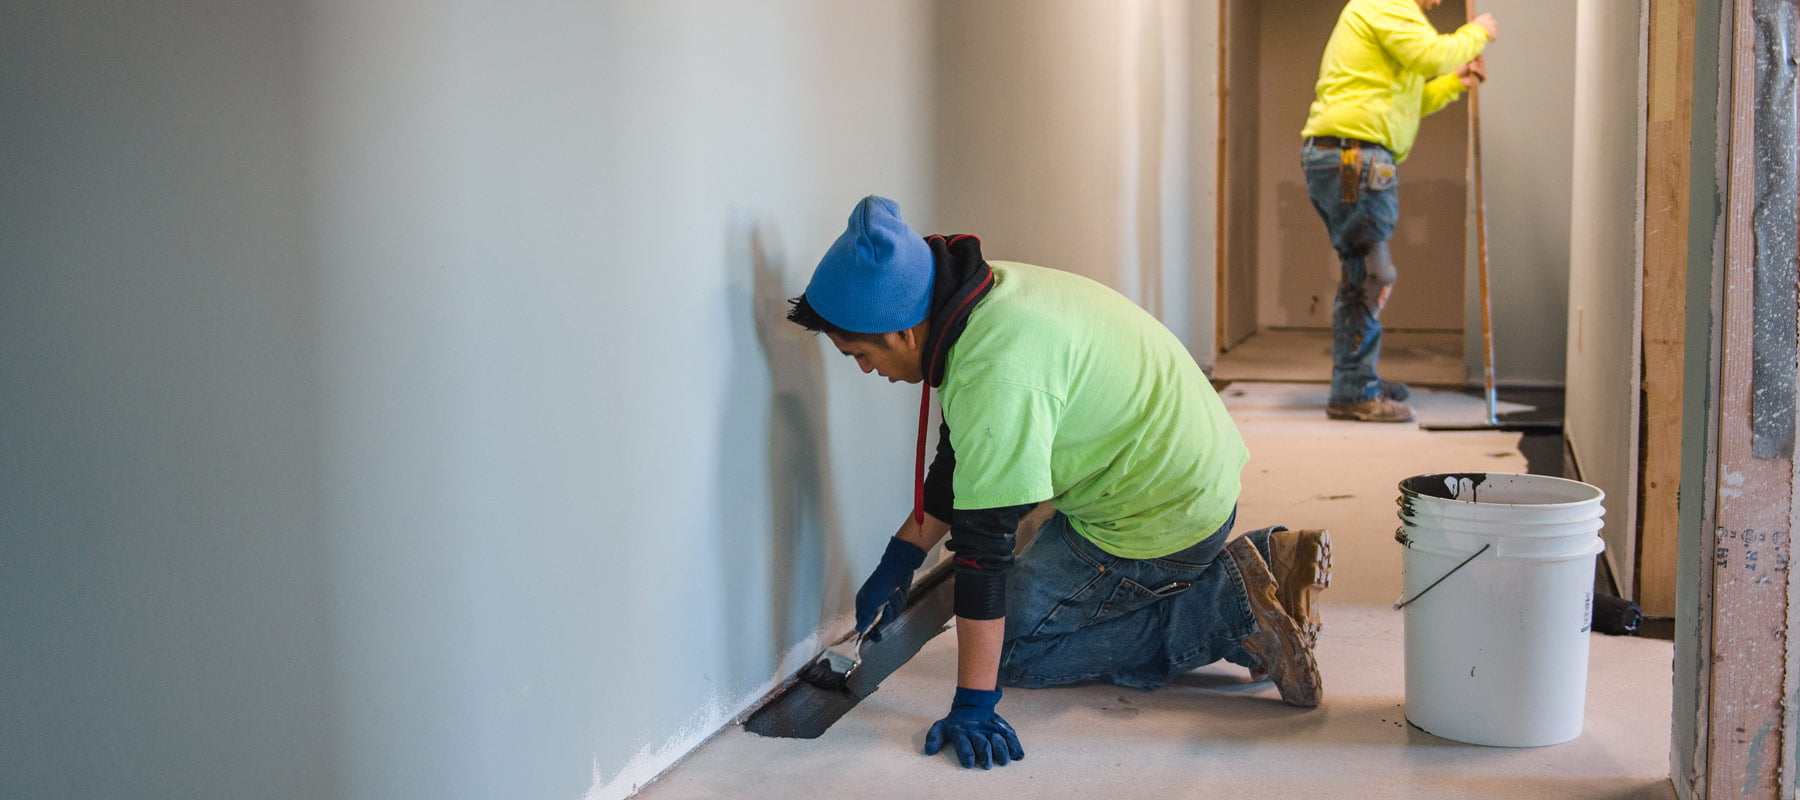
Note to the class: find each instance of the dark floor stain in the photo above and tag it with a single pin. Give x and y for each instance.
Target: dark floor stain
(1121, 707)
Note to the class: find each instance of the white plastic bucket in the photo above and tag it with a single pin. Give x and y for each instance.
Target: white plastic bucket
(1497, 649)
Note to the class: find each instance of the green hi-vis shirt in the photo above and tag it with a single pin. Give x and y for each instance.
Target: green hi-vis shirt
(1062, 389)
(1377, 76)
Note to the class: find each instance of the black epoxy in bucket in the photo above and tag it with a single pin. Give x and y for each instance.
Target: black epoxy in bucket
(1498, 601)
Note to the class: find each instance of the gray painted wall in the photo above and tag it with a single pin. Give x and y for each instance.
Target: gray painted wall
(1605, 265)
(395, 399)
(162, 564)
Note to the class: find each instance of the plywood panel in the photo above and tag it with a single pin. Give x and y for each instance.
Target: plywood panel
(1666, 166)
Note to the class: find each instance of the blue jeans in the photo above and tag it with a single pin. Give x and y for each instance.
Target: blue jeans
(1075, 612)
(1359, 230)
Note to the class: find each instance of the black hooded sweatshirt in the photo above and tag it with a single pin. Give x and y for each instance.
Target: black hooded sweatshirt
(981, 539)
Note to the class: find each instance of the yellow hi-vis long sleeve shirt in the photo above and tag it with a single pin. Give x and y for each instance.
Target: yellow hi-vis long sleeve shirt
(1376, 79)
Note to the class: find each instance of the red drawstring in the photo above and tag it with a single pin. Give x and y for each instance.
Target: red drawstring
(919, 460)
(925, 398)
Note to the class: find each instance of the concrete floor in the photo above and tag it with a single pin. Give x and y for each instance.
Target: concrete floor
(1427, 358)
(1213, 733)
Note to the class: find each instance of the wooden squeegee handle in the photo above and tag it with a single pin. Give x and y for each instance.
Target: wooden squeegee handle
(1481, 243)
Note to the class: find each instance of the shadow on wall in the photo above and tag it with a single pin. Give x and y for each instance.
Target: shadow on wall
(807, 576)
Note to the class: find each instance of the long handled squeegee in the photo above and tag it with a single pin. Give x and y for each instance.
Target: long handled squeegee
(1492, 423)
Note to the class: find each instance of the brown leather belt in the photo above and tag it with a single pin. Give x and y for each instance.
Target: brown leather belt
(1339, 142)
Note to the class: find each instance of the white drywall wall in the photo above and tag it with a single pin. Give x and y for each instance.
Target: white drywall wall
(1527, 119)
(1604, 266)
(393, 403)
(1082, 136)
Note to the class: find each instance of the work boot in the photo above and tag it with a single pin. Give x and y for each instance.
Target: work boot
(1301, 564)
(1394, 390)
(1280, 649)
(1376, 409)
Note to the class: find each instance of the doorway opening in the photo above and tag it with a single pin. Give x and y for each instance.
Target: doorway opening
(1277, 272)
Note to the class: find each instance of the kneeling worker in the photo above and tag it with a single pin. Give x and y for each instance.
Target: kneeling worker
(1057, 388)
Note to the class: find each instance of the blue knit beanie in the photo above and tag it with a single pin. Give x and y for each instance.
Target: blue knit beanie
(876, 278)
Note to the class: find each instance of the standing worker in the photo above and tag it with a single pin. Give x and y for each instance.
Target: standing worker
(1384, 68)
(1057, 388)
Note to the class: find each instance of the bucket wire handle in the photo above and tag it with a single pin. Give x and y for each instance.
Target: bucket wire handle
(1465, 562)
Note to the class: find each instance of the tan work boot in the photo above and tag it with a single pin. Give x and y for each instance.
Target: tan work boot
(1378, 409)
(1277, 642)
(1301, 564)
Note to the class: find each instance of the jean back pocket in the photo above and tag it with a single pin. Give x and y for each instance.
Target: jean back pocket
(1130, 596)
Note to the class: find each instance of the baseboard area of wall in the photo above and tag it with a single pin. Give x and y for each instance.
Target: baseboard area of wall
(800, 710)
(796, 709)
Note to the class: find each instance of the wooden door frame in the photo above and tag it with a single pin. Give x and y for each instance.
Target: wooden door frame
(1225, 242)
(1224, 246)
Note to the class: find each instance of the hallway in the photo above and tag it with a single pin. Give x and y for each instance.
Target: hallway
(398, 402)
(1215, 734)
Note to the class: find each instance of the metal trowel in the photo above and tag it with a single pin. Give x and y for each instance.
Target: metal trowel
(833, 668)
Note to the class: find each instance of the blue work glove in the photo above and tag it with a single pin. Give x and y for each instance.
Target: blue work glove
(887, 586)
(979, 735)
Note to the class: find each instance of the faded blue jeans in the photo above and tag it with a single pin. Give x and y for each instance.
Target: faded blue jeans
(1359, 231)
(1075, 612)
